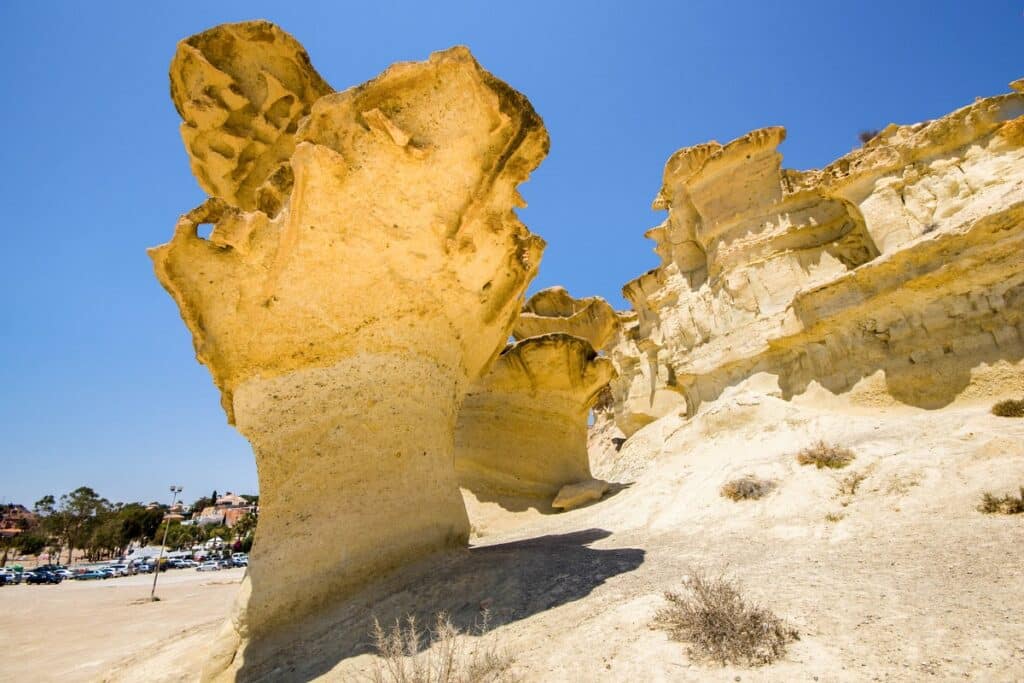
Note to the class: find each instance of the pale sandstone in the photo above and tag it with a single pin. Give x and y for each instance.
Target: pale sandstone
(573, 496)
(344, 324)
(522, 430)
(902, 257)
(554, 310)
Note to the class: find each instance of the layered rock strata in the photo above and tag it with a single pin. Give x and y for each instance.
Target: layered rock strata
(344, 321)
(901, 260)
(522, 430)
(554, 310)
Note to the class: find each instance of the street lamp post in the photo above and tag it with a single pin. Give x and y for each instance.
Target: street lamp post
(156, 570)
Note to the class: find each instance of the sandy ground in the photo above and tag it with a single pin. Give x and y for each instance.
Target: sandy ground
(903, 580)
(79, 630)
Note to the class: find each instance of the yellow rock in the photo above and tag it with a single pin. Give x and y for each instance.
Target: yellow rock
(522, 430)
(242, 90)
(553, 310)
(344, 325)
(902, 257)
(574, 495)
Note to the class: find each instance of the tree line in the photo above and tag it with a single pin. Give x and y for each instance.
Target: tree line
(85, 521)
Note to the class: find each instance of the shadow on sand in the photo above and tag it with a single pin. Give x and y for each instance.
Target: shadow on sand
(512, 580)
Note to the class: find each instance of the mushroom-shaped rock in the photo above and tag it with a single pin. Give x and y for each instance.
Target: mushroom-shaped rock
(553, 310)
(522, 430)
(344, 331)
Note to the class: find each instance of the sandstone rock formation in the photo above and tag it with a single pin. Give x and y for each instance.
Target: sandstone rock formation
(365, 266)
(554, 310)
(522, 430)
(895, 273)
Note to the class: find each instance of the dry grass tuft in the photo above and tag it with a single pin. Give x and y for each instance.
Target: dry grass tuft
(721, 625)
(452, 656)
(822, 455)
(834, 517)
(747, 487)
(851, 482)
(1005, 505)
(1009, 408)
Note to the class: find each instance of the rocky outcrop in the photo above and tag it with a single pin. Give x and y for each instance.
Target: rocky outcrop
(892, 274)
(522, 430)
(241, 91)
(344, 326)
(553, 310)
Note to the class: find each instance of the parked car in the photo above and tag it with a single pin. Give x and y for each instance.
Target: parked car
(240, 561)
(226, 564)
(210, 566)
(40, 576)
(89, 575)
(8, 577)
(65, 573)
(118, 569)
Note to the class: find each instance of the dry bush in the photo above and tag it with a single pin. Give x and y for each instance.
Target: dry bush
(747, 487)
(721, 625)
(1009, 408)
(822, 455)
(1005, 505)
(452, 656)
(834, 517)
(851, 483)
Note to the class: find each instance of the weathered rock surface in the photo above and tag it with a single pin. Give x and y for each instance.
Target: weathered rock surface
(344, 325)
(553, 310)
(241, 91)
(893, 274)
(522, 430)
(573, 496)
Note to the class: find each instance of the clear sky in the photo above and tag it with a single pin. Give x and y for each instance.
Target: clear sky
(100, 386)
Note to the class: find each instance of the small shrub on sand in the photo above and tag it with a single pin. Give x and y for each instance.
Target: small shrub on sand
(452, 656)
(1009, 408)
(721, 625)
(1005, 505)
(851, 483)
(747, 487)
(822, 455)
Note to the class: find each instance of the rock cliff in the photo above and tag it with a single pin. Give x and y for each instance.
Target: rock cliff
(364, 267)
(893, 274)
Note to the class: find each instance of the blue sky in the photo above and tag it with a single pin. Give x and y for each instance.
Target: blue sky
(100, 386)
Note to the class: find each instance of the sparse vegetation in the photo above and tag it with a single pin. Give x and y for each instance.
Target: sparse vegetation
(747, 487)
(1004, 505)
(834, 517)
(452, 656)
(851, 482)
(823, 455)
(721, 625)
(1009, 408)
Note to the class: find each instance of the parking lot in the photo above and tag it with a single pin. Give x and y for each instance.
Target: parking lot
(80, 630)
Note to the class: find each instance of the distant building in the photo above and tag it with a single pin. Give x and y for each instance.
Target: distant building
(228, 509)
(14, 519)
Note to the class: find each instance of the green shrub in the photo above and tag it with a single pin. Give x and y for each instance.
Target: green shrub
(822, 455)
(1009, 408)
(721, 625)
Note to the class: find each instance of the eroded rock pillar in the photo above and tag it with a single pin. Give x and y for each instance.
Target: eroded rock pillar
(522, 430)
(366, 271)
